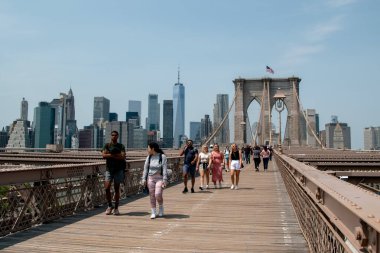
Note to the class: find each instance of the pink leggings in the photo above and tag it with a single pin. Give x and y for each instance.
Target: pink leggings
(155, 190)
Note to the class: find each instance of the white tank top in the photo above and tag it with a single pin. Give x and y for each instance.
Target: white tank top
(204, 157)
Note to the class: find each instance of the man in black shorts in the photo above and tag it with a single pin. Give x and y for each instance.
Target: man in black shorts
(189, 164)
(114, 153)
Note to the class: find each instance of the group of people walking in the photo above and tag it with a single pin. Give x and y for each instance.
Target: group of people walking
(155, 174)
(257, 153)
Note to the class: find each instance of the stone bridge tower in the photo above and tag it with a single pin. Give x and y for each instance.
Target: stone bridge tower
(263, 90)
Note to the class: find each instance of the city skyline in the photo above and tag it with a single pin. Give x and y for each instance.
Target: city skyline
(112, 50)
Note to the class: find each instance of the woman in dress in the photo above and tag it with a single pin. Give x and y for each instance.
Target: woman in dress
(203, 166)
(217, 159)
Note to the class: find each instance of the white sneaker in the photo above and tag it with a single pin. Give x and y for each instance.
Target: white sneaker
(232, 187)
(220, 185)
(206, 186)
(236, 187)
(161, 211)
(153, 215)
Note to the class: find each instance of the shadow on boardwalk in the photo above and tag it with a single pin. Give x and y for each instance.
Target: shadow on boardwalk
(256, 218)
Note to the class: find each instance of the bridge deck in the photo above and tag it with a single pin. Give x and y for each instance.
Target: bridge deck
(256, 218)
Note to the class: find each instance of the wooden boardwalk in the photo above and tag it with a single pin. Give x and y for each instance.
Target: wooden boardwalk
(256, 218)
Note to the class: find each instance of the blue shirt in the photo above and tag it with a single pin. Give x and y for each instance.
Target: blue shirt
(190, 154)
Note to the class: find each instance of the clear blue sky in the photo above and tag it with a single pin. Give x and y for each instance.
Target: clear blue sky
(124, 50)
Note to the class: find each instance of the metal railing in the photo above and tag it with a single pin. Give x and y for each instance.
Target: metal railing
(33, 195)
(334, 215)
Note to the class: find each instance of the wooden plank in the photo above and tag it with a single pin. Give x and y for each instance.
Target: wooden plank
(256, 218)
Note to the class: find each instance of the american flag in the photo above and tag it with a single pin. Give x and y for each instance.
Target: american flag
(269, 69)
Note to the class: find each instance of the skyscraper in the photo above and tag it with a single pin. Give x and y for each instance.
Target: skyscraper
(195, 131)
(43, 125)
(372, 138)
(220, 111)
(178, 112)
(153, 122)
(134, 116)
(338, 135)
(70, 106)
(167, 136)
(119, 126)
(85, 137)
(112, 116)
(3, 138)
(24, 109)
(19, 136)
(65, 125)
(101, 110)
(206, 127)
(135, 106)
(313, 119)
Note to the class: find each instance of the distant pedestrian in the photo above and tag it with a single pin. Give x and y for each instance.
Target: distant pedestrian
(247, 154)
(265, 153)
(203, 166)
(226, 158)
(271, 153)
(155, 175)
(217, 159)
(191, 157)
(235, 165)
(256, 157)
(242, 153)
(114, 153)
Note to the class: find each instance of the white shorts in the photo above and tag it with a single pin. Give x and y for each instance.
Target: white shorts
(235, 165)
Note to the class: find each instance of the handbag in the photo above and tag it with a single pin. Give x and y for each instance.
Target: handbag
(146, 189)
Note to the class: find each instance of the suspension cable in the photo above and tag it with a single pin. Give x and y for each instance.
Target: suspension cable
(306, 119)
(224, 119)
(261, 116)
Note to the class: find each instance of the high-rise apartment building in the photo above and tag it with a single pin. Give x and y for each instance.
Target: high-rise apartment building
(153, 113)
(167, 135)
(220, 111)
(24, 110)
(178, 113)
(101, 110)
(338, 135)
(372, 138)
(43, 125)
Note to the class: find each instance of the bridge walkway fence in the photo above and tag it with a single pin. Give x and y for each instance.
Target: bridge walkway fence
(258, 217)
(334, 215)
(30, 196)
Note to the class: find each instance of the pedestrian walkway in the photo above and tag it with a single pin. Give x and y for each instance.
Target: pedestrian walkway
(256, 218)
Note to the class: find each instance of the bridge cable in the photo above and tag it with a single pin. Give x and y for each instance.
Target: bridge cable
(306, 119)
(224, 118)
(270, 115)
(258, 128)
